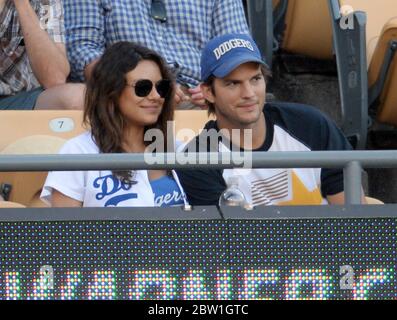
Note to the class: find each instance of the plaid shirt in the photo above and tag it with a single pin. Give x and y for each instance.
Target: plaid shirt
(15, 71)
(91, 25)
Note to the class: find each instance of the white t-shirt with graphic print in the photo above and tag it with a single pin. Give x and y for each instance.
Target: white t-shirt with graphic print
(279, 186)
(101, 188)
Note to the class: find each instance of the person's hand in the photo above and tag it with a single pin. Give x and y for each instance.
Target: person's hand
(180, 96)
(197, 97)
(20, 2)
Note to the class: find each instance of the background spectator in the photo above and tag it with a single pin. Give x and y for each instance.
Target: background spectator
(176, 29)
(33, 61)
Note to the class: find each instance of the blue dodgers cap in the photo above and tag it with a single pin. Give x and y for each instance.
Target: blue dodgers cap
(225, 53)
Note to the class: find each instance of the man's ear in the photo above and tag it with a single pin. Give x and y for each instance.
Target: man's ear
(207, 93)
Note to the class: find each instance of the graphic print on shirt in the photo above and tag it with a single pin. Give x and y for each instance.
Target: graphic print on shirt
(284, 188)
(301, 195)
(174, 199)
(166, 192)
(270, 190)
(110, 185)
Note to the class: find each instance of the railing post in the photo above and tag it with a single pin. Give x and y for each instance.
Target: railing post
(352, 182)
(260, 16)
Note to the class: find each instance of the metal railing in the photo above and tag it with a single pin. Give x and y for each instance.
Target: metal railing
(352, 163)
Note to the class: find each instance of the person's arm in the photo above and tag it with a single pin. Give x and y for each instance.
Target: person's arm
(59, 200)
(85, 31)
(47, 58)
(339, 199)
(332, 181)
(228, 17)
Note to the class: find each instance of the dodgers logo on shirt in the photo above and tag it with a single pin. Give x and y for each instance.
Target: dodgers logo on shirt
(174, 198)
(110, 185)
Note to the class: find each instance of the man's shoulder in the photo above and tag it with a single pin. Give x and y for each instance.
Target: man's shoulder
(293, 111)
(306, 124)
(298, 118)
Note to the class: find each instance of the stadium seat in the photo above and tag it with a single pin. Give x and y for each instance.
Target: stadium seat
(34, 132)
(308, 29)
(350, 51)
(365, 34)
(193, 120)
(381, 44)
(304, 26)
(44, 132)
(260, 21)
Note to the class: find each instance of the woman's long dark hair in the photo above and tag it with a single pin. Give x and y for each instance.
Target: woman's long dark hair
(104, 88)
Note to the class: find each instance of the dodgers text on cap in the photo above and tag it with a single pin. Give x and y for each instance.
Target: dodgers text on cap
(231, 44)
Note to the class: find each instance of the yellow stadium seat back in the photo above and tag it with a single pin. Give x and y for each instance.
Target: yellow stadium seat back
(387, 108)
(308, 29)
(188, 123)
(381, 29)
(15, 125)
(44, 132)
(34, 132)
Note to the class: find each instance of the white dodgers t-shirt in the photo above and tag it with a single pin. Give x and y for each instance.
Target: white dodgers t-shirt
(101, 188)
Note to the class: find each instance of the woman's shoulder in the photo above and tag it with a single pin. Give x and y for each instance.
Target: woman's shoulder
(82, 143)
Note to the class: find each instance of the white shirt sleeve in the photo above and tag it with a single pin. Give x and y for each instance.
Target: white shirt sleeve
(69, 183)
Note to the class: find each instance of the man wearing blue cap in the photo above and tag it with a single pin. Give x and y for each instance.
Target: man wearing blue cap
(234, 85)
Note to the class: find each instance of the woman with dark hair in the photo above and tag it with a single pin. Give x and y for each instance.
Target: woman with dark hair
(130, 91)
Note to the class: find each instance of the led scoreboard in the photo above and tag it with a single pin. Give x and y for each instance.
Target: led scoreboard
(152, 253)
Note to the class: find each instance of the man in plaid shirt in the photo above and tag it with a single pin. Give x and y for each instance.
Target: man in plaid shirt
(33, 61)
(177, 29)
